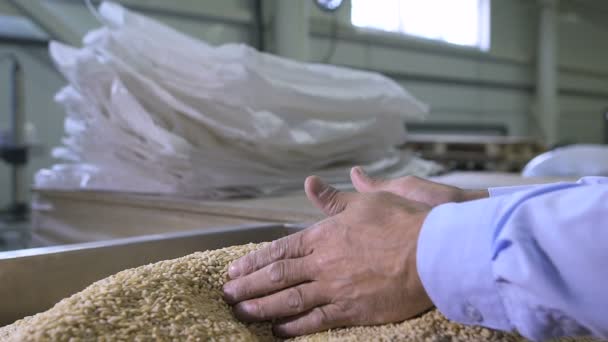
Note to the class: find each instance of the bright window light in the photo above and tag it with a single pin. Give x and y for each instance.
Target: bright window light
(461, 22)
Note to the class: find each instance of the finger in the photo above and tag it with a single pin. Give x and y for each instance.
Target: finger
(289, 302)
(318, 319)
(326, 197)
(276, 276)
(292, 246)
(364, 183)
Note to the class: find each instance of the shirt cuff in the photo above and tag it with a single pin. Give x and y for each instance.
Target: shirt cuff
(454, 261)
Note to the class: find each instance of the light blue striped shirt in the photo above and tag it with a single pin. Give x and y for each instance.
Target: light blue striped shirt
(529, 258)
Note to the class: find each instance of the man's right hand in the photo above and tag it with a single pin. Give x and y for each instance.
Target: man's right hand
(414, 188)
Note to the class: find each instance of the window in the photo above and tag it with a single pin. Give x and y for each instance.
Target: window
(461, 22)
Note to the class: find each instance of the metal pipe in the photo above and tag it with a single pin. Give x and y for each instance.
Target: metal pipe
(17, 136)
(17, 110)
(605, 120)
(547, 87)
(259, 24)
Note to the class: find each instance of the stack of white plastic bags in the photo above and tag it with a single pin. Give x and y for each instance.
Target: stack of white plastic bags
(152, 110)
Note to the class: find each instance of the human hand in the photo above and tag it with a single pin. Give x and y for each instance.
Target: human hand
(357, 267)
(414, 188)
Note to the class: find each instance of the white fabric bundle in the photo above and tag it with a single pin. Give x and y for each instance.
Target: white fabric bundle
(152, 110)
(577, 160)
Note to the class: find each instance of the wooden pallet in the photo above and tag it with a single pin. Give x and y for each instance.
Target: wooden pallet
(468, 152)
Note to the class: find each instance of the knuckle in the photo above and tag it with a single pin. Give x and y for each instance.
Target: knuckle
(276, 271)
(253, 308)
(295, 299)
(236, 292)
(297, 243)
(320, 318)
(314, 231)
(242, 290)
(277, 249)
(318, 232)
(333, 207)
(315, 234)
(328, 194)
(246, 263)
(348, 307)
(319, 262)
(331, 198)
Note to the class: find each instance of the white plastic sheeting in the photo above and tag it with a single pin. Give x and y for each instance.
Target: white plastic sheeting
(152, 110)
(574, 160)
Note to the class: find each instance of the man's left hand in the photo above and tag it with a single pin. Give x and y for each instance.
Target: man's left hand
(357, 267)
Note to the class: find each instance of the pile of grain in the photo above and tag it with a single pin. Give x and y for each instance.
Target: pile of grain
(181, 299)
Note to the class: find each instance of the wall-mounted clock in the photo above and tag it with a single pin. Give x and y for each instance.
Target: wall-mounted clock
(329, 5)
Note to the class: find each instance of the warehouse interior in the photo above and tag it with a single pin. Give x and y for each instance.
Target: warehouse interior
(505, 85)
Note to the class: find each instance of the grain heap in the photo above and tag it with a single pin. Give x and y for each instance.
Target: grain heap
(181, 299)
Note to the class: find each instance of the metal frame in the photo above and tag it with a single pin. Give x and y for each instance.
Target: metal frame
(605, 120)
(33, 280)
(14, 150)
(55, 27)
(460, 128)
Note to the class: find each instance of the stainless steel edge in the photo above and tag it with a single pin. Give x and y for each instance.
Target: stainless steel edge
(33, 280)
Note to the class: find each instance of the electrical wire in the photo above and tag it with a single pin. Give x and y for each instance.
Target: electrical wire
(333, 39)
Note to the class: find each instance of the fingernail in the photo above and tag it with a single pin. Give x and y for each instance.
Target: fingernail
(361, 172)
(233, 272)
(279, 331)
(238, 311)
(317, 186)
(228, 292)
(248, 308)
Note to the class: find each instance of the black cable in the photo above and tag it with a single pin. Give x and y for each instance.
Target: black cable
(259, 25)
(333, 36)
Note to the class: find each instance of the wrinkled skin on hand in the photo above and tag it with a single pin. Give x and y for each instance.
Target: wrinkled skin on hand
(357, 267)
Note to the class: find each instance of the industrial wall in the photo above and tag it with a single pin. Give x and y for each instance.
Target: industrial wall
(466, 86)
(461, 85)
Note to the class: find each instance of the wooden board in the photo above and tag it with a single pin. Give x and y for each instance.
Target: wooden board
(61, 217)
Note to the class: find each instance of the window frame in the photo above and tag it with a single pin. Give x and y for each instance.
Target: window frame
(484, 34)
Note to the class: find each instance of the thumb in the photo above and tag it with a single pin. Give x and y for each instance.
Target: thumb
(326, 197)
(364, 183)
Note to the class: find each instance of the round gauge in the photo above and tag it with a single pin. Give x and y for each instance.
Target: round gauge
(329, 5)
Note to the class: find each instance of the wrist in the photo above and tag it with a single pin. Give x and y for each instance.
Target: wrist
(471, 195)
(423, 297)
